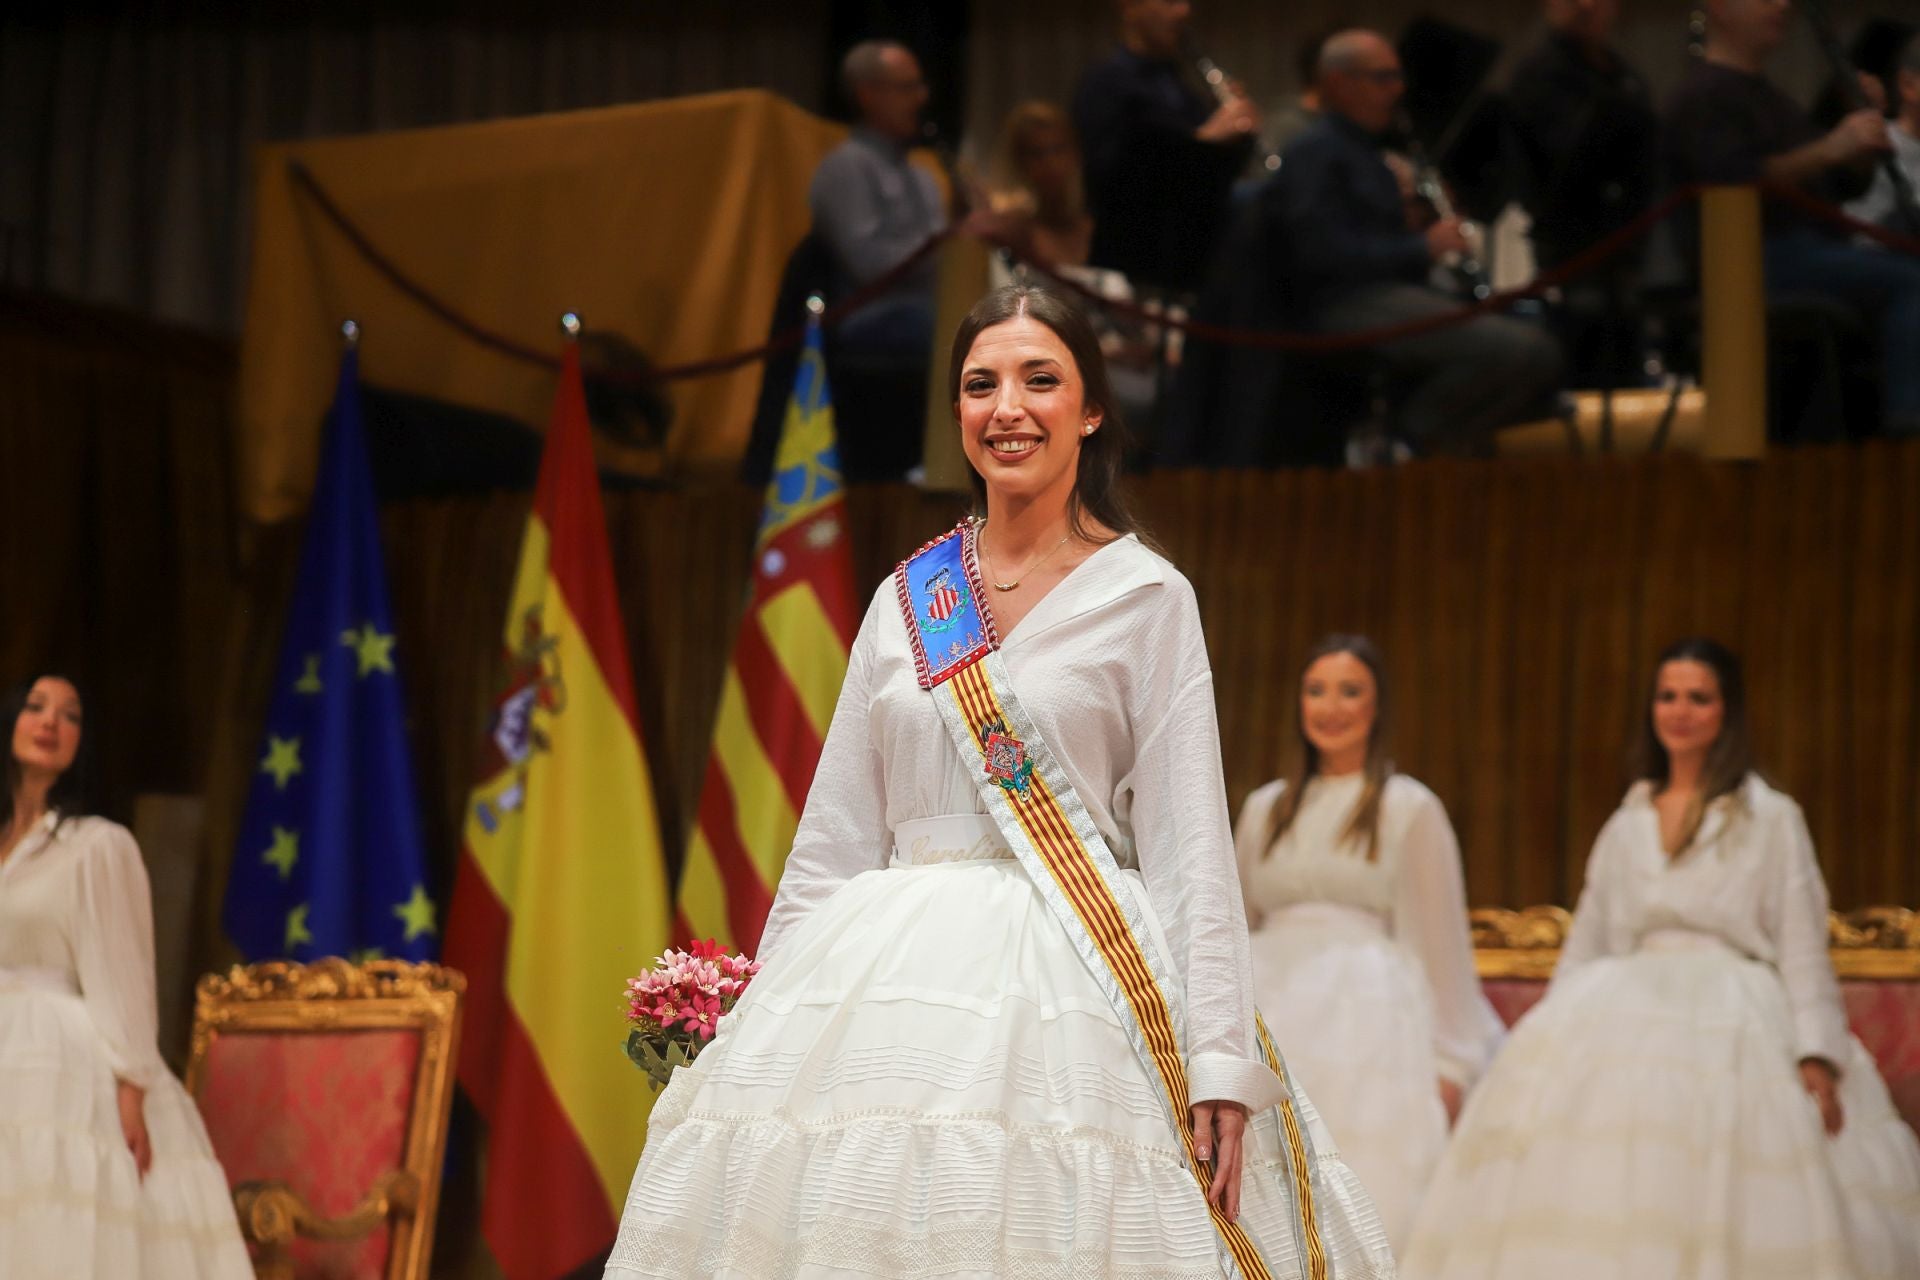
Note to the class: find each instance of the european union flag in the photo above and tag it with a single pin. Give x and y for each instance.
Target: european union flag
(330, 859)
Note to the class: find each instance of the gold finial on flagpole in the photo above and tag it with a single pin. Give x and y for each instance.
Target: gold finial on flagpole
(570, 325)
(816, 305)
(350, 334)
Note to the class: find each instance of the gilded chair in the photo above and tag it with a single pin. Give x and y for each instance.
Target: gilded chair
(326, 1090)
(1876, 955)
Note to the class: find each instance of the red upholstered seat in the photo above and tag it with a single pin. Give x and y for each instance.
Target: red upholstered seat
(324, 1112)
(1886, 1017)
(326, 1090)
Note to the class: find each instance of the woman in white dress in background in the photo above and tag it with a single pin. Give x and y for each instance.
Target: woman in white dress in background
(1362, 963)
(1686, 1101)
(105, 1168)
(927, 1078)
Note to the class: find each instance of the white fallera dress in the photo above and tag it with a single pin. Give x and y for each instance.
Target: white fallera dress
(77, 1015)
(1647, 1119)
(1364, 970)
(925, 1080)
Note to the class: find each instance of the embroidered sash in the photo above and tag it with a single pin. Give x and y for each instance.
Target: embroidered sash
(956, 655)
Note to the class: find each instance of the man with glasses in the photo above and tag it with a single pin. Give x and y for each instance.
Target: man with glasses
(1352, 261)
(873, 207)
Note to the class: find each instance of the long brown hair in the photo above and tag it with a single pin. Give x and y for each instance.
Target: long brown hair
(1729, 759)
(1096, 482)
(1365, 819)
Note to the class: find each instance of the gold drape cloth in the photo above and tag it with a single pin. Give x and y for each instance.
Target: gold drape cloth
(667, 223)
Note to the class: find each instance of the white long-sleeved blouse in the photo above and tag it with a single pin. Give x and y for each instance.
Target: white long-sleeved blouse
(76, 914)
(1749, 879)
(1415, 886)
(1112, 668)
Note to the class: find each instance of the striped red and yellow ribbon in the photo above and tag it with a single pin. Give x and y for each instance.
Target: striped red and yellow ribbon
(1067, 861)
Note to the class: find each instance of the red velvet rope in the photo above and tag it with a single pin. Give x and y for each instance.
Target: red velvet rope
(1582, 263)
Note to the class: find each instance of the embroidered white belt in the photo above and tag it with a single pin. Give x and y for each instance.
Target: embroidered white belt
(951, 837)
(1336, 914)
(1686, 940)
(58, 981)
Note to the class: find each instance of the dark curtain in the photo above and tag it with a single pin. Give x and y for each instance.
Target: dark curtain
(127, 130)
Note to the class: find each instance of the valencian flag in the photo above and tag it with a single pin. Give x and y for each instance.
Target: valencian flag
(561, 893)
(330, 859)
(789, 660)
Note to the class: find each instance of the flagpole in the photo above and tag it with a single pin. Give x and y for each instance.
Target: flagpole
(570, 325)
(816, 305)
(350, 334)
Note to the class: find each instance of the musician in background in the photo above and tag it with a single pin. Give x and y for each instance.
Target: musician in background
(1161, 153)
(873, 207)
(1352, 263)
(1880, 204)
(1586, 146)
(1586, 130)
(1728, 123)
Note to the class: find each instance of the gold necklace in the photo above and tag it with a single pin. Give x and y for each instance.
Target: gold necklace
(1009, 586)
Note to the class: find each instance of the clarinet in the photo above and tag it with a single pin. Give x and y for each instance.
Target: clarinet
(1822, 22)
(1466, 268)
(1221, 87)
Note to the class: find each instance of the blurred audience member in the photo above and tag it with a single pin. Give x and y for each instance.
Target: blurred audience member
(1728, 123)
(1586, 129)
(1354, 264)
(1293, 116)
(1881, 202)
(873, 207)
(1039, 197)
(1162, 154)
(1038, 180)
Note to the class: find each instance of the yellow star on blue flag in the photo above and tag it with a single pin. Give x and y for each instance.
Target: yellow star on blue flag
(331, 837)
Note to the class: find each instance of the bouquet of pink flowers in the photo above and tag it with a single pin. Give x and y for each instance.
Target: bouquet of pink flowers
(672, 1009)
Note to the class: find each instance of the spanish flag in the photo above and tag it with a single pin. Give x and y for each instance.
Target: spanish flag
(561, 892)
(789, 660)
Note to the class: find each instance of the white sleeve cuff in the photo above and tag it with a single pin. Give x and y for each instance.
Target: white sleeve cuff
(1457, 1072)
(1222, 1077)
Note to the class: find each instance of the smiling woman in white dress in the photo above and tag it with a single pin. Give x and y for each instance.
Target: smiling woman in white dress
(105, 1168)
(1686, 1102)
(1362, 962)
(927, 1078)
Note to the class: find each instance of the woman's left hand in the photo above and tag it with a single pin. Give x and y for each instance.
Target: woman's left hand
(133, 1125)
(1218, 1128)
(1819, 1079)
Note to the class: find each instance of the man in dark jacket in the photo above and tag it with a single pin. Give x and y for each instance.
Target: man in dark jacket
(1727, 123)
(1354, 263)
(1161, 153)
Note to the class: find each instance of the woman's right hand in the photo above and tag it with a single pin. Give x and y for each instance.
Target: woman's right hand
(1451, 1096)
(133, 1125)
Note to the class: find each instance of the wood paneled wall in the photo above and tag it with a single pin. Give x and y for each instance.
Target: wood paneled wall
(1520, 604)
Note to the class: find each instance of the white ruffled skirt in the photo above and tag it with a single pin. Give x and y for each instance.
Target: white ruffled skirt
(72, 1203)
(1647, 1120)
(1355, 1015)
(928, 1082)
